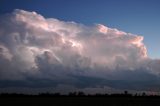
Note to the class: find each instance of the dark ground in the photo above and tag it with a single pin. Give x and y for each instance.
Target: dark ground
(80, 101)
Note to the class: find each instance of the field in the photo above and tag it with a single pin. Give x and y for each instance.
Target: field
(79, 101)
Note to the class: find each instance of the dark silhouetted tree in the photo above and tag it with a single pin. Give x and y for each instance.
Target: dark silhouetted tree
(126, 92)
(81, 94)
(72, 94)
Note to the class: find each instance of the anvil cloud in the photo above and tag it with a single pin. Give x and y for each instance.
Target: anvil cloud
(53, 52)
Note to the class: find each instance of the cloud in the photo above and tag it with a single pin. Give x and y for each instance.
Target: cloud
(53, 52)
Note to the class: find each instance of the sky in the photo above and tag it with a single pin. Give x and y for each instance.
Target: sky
(134, 16)
(92, 46)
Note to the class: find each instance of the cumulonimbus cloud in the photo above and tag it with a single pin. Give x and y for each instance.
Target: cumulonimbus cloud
(35, 47)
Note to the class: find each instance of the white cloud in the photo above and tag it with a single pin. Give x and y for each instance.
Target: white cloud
(38, 47)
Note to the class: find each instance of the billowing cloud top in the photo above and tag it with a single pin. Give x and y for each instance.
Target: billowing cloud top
(35, 48)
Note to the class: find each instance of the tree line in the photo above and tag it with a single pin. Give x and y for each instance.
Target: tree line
(78, 94)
